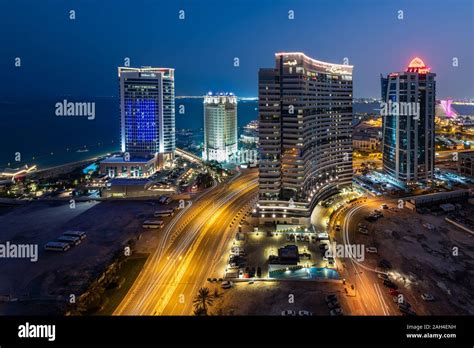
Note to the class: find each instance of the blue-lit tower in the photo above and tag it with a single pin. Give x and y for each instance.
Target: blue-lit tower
(147, 111)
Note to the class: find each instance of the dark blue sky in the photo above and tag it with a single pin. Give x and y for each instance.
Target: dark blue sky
(80, 57)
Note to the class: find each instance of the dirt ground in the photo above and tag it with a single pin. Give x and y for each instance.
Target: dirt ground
(273, 297)
(439, 261)
(109, 226)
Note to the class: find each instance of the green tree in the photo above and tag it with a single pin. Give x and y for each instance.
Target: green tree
(202, 301)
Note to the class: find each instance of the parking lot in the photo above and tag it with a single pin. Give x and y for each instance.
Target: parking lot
(249, 254)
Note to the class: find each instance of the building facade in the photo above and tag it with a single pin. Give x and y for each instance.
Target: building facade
(220, 127)
(305, 136)
(466, 163)
(408, 123)
(147, 122)
(147, 110)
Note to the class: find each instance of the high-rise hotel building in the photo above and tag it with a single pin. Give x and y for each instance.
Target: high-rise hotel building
(147, 110)
(220, 127)
(305, 129)
(408, 123)
(147, 122)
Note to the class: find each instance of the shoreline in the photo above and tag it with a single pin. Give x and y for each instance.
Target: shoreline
(75, 163)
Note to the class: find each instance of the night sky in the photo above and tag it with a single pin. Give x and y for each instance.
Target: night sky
(63, 57)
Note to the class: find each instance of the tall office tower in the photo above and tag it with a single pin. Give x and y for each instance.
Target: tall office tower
(147, 122)
(220, 127)
(305, 130)
(408, 126)
(147, 110)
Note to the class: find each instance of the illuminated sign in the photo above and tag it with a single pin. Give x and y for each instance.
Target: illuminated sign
(291, 62)
(418, 66)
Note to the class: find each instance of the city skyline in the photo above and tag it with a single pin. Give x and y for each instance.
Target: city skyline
(237, 160)
(387, 41)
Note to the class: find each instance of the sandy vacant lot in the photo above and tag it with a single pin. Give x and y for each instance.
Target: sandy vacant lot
(425, 260)
(109, 226)
(272, 297)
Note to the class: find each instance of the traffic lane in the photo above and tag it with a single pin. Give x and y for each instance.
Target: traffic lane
(182, 267)
(372, 286)
(210, 249)
(145, 283)
(141, 288)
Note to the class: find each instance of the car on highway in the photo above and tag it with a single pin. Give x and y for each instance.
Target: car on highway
(384, 206)
(336, 312)
(371, 250)
(305, 314)
(288, 313)
(427, 297)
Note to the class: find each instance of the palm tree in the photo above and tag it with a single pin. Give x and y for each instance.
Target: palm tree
(203, 300)
(199, 311)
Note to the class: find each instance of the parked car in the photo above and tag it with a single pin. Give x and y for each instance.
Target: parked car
(407, 311)
(336, 312)
(390, 284)
(427, 297)
(371, 218)
(385, 264)
(404, 305)
(226, 284)
(288, 313)
(331, 298)
(363, 231)
(394, 292)
(334, 304)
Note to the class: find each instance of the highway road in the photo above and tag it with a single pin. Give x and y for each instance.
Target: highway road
(371, 297)
(192, 243)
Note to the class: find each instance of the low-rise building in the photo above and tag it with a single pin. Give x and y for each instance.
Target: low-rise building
(466, 163)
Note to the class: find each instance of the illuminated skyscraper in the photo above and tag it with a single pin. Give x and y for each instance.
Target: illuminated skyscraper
(147, 110)
(408, 123)
(147, 122)
(305, 130)
(220, 127)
